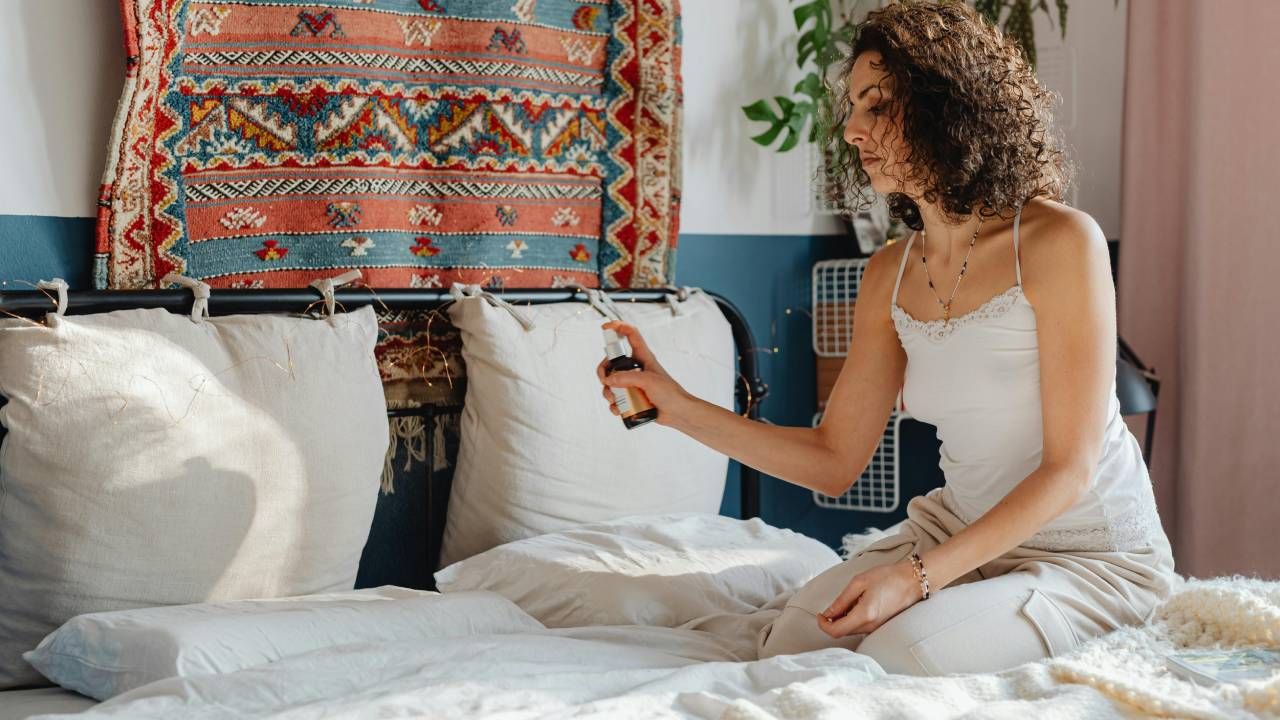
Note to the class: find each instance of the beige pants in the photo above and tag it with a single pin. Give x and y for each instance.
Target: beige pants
(1025, 605)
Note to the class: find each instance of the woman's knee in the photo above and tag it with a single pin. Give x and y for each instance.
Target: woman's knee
(796, 631)
(970, 631)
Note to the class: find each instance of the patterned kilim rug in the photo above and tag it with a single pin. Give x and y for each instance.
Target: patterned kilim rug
(264, 143)
(509, 143)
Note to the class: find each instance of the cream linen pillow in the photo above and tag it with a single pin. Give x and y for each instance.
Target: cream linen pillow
(663, 570)
(104, 654)
(540, 450)
(155, 460)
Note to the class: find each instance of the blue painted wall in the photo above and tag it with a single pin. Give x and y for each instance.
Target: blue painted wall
(763, 275)
(40, 248)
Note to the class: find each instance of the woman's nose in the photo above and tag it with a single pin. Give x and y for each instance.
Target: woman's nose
(854, 132)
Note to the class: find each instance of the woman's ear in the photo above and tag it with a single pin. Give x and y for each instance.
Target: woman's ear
(905, 209)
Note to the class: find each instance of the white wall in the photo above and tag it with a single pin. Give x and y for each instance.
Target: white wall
(1088, 71)
(737, 51)
(62, 69)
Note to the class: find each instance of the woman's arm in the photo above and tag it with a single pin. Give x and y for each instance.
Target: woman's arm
(827, 458)
(1067, 279)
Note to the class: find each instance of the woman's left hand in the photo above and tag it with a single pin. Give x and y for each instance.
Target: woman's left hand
(870, 599)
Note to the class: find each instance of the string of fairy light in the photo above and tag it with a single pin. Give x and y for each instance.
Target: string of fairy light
(419, 361)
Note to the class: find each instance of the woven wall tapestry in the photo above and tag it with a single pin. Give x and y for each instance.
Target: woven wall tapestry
(264, 143)
(643, 93)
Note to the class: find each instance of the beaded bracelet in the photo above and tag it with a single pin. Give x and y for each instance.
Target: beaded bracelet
(918, 565)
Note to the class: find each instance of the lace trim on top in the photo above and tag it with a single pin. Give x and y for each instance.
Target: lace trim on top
(1132, 530)
(939, 330)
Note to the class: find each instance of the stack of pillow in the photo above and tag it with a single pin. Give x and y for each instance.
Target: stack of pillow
(156, 459)
(182, 496)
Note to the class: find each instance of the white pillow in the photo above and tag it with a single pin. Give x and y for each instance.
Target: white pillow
(153, 460)
(664, 570)
(540, 450)
(104, 654)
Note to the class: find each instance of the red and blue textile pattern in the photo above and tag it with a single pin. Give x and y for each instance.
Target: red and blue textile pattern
(264, 143)
(642, 168)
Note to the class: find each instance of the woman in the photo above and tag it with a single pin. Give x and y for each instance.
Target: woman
(997, 322)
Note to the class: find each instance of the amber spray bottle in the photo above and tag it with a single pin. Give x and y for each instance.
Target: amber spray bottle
(632, 404)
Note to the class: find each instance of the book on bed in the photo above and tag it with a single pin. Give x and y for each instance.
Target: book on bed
(1209, 667)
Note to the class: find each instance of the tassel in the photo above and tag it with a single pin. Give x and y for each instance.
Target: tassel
(388, 484)
(411, 432)
(440, 456)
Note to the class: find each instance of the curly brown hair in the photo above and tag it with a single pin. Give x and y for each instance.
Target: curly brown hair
(977, 124)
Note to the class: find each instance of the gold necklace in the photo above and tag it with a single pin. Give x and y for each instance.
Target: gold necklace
(946, 306)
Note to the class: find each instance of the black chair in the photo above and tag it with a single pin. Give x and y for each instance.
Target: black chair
(1138, 387)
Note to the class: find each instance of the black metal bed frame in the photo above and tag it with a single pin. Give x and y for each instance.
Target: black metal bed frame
(750, 390)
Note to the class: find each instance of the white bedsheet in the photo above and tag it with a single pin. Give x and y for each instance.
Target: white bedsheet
(647, 672)
(650, 672)
(589, 672)
(616, 673)
(622, 672)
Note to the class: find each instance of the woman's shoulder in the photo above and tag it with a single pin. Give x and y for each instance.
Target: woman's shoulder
(1061, 248)
(1051, 231)
(882, 268)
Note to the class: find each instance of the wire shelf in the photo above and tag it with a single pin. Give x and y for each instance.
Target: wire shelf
(835, 289)
(879, 487)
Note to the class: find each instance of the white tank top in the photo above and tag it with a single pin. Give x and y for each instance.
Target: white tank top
(977, 379)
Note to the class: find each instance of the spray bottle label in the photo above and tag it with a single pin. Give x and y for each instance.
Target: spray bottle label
(622, 400)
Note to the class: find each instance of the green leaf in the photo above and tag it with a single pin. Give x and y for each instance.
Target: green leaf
(790, 118)
(1019, 27)
(814, 41)
(798, 116)
(846, 33)
(989, 9)
(1062, 17)
(836, 52)
(804, 13)
(759, 111)
(791, 141)
(767, 137)
(811, 86)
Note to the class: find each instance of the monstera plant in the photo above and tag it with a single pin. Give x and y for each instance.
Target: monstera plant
(827, 29)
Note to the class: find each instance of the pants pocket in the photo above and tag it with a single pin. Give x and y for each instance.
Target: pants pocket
(1050, 623)
(1000, 633)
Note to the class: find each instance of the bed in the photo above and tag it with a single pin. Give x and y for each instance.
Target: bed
(684, 650)
(405, 540)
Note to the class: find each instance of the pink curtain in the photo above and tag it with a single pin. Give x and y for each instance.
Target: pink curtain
(1200, 269)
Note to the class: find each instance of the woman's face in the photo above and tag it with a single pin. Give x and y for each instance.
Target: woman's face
(874, 124)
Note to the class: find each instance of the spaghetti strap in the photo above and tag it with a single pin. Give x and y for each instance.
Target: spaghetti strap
(906, 253)
(1017, 264)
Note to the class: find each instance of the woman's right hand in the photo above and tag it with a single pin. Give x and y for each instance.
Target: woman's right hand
(662, 390)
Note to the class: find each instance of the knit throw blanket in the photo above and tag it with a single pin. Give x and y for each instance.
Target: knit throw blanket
(1121, 675)
(1129, 666)
(265, 143)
